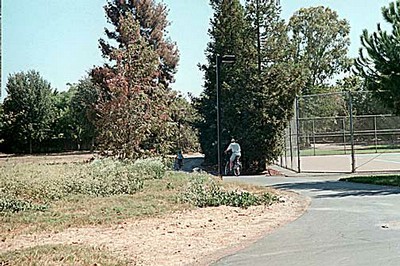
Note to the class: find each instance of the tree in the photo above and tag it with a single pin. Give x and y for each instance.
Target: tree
(133, 106)
(267, 28)
(321, 43)
(378, 61)
(258, 91)
(1, 125)
(83, 111)
(28, 110)
(62, 126)
(227, 34)
(152, 21)
(183, 117)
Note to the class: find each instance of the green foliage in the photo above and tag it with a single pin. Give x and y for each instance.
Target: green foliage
(103, 178)
(204, 191)
(378, 59)
(364, 101)
(258, 91)
(83, 114)
(321, 40)
(134, 114)
(382, 180)
(9, 204)
(2, 123)
(42, 120)
(183, 116)
(152, 168)
(151, 19)
(28, 111)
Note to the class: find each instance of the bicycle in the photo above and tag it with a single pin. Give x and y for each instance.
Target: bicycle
(236, 167)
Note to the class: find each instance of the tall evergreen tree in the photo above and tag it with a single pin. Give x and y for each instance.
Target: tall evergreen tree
(274, 89)
(152, 20)
(227, 37)
(133, 109)
(269, 31)
(258, 91)
(378, 62)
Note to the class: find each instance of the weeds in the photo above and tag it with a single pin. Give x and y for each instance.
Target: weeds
(16, 205)
(101, 178)
(204, 191)
(61, 255)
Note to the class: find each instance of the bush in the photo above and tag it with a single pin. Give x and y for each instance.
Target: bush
(104, 177)
(152, 168)
(9, 204)
(204, 191)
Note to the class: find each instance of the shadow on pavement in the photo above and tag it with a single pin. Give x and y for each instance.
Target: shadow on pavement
(337, 189)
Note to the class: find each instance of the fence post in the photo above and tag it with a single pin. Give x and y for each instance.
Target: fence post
(313, 133)
(285, 152)
(291, 146)
(344, 134)
(353, 161)
(375, 135)
(298, 133)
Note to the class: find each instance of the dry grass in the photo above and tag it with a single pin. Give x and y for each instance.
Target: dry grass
(44, 184)
(54, 255)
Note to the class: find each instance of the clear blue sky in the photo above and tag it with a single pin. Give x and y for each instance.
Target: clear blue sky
(59, 38)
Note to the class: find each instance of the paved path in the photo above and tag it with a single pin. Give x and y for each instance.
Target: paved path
(346, 224)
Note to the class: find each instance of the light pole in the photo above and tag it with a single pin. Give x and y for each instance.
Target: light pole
(229, 59)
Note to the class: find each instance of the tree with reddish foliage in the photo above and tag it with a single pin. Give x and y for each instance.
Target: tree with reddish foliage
(134, 118)
(152, 20)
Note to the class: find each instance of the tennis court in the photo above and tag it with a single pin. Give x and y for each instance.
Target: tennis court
(334, 132)
(376, 162)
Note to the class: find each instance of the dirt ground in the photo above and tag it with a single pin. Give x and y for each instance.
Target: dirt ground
(196, 237)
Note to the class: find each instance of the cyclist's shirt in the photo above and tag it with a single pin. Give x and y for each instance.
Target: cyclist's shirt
(234, 147)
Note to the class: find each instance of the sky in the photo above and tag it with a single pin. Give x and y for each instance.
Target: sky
(59, 38)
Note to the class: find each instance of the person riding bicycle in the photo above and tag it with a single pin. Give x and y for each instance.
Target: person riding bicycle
(234, 147)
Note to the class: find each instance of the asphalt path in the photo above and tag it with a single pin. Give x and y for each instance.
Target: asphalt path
(346, 224)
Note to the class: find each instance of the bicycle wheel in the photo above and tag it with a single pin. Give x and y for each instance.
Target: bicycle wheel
(226, 170)
(237, 170)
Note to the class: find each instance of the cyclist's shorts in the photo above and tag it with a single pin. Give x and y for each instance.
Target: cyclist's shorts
(233, 156)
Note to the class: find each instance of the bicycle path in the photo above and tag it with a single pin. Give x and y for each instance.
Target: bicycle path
(346, 224)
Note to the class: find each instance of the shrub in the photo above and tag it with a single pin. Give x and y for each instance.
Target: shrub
(204, 191)
(9, 204)
(104, 178)
(152, 168)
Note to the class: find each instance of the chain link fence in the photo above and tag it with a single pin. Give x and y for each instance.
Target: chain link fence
(341, 131)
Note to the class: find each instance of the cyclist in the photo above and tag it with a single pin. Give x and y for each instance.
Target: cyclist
(234, 147)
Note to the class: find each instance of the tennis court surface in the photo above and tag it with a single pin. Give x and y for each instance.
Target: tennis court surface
(375, 162)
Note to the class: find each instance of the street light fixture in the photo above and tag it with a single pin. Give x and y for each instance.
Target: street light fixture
(228, 59)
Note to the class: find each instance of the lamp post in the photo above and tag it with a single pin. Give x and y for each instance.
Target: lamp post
(229, 59)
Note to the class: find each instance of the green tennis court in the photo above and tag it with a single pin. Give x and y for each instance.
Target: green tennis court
(374, 162)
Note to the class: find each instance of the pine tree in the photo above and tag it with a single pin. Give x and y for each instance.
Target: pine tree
(274, 88)
(133, 114)
(258, 91)
(379, 66)
(152, 19)
(227, 38)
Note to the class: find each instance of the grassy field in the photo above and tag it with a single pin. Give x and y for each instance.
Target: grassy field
(53, 197)
(384, 180)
